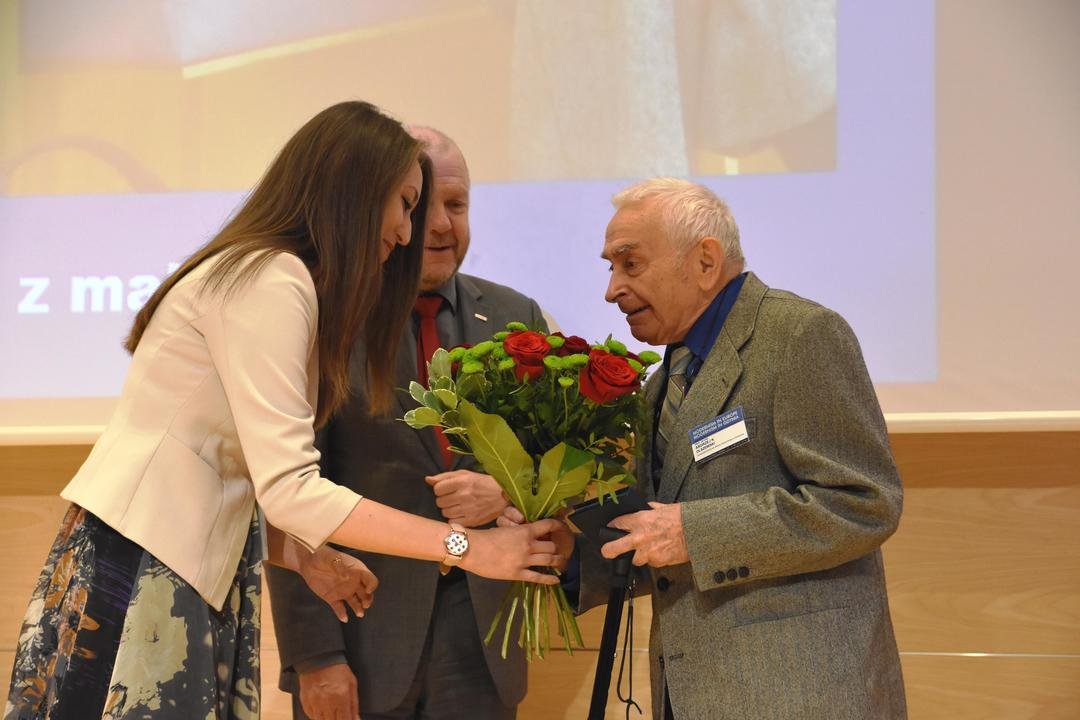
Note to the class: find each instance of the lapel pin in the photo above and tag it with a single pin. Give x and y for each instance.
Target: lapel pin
(478, 316)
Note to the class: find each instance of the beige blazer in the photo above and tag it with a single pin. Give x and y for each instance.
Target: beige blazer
(215, 416)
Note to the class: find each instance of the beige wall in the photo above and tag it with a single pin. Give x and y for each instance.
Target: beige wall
(984, 578)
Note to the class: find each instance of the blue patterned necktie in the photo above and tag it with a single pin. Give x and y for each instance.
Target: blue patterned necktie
(676, 389)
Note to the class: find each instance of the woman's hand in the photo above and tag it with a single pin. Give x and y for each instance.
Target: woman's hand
(510, 552)
(340, 580)
(562, 536)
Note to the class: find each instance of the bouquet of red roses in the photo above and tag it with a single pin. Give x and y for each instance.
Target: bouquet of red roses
(549, 417)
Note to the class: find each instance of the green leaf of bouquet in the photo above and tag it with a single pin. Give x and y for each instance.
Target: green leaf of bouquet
(573, 459)
(431, 400)
(421, 417)
(444, 383)
(605, 490)
(470, 386)
(417, 391)
(564, 472)
(440, 364)
(448, 398)
(497, 448)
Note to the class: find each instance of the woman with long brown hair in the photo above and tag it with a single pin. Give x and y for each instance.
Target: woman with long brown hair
(148, 602)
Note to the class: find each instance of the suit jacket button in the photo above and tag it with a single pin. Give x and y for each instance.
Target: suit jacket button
(718, 576)
(661, 661)
(744, 571)
(662, 584)
(732, 574)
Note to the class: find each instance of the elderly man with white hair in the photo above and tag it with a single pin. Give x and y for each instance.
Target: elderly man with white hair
(772, 480)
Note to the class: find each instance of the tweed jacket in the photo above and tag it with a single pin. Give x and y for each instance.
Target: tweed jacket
(216, 414)
(386, 460)
(781, 612)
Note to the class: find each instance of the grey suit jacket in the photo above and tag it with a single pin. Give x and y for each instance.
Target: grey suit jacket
(781, 612)
(385, 460)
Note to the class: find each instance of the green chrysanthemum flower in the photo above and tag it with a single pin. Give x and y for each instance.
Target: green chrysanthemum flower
(648, 357)
(471, 366)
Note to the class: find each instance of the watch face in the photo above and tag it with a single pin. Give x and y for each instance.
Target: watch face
(457, 543)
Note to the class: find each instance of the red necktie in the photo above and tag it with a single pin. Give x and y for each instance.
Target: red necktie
(427, 307)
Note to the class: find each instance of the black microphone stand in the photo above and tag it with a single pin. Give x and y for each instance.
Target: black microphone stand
(620, 579)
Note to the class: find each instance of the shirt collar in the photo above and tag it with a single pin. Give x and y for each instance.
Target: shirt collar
(706, 329)
(449, 292)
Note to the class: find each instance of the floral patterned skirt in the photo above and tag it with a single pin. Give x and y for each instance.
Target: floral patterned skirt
(110, 632)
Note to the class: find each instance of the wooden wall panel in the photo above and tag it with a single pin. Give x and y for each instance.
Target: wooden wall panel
(1011, 460)
(28, 527)
(987, 570)
(38, 469)
(992, 688)
(986, 560)
(561, 687)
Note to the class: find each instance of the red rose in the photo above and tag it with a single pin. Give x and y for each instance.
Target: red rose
(572, 345)
(607, 377)
(528, 349)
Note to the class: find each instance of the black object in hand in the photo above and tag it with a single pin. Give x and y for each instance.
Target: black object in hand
(591, 517)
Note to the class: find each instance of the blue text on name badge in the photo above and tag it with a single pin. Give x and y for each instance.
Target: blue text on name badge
(718, 434)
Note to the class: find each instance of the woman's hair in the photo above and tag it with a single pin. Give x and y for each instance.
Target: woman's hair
(322, 199)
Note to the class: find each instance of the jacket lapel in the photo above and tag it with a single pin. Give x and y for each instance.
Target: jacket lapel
(406, 373)
(644, 469)
(474, 311)
(712, 387)
(475, 315)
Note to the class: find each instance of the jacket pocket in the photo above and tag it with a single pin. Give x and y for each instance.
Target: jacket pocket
(779, 602)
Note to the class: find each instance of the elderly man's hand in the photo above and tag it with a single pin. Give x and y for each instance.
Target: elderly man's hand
(467, 497)
(656, 536)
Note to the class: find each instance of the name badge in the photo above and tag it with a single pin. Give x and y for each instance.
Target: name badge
(721, 433)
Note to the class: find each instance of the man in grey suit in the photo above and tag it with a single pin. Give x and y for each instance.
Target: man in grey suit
(771, 474)
(418, 652)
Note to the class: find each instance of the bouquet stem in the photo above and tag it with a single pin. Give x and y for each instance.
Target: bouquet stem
(534, 634)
